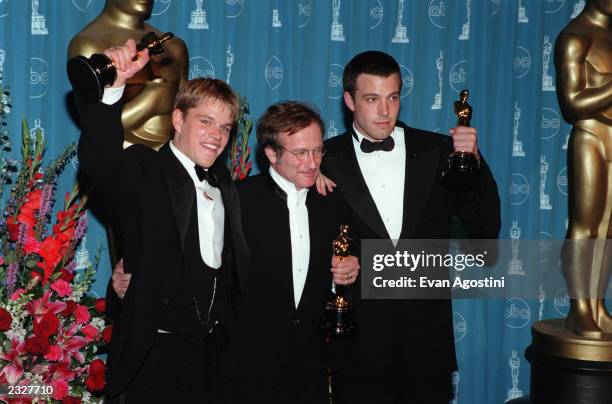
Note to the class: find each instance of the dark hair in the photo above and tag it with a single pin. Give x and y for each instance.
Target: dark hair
(375, 63)
(195, 91)
(285, 116)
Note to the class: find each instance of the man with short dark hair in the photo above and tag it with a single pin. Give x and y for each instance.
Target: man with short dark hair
(179, 220)
(390, 175)
(276, 350)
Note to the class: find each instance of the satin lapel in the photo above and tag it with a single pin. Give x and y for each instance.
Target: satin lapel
(421, 168)
(231, 203)
(354, 188)
(181, 191)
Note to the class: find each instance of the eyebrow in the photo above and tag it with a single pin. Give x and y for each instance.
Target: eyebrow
(379, 95)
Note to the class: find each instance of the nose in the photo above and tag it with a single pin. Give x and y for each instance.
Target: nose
(215, 132)
(383, 108)
(311, 161)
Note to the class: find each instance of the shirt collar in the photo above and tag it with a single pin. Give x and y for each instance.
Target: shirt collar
(185, 162)
(287, 186)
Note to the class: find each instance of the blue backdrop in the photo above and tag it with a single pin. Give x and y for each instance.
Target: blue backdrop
(271, 50)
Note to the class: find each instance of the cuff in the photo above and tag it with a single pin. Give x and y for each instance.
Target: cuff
(112, 95)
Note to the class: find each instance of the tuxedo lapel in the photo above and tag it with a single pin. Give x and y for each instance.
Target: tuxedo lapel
(355, 189)
(231, 203)
(421, 168)
(181, 191)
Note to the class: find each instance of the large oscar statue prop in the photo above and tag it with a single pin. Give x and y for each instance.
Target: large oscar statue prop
(149, 95)
(89, 76)
(463, 167)
(338, 312)
(572, 358)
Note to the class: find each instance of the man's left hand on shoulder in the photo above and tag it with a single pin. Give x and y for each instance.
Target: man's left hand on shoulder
(465, 139)
(345, 269)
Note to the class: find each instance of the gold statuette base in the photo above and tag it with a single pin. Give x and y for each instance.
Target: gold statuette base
(566, 368)
(552, 338)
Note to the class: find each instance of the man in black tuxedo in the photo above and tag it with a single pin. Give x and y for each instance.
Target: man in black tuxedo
(390, 175)
(178, 215)
(276, 350)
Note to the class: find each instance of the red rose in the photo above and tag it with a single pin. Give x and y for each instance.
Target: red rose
(66, 276)
(100, 305)
(81, 315)
(60, 389)
(71, 306)
(71, 400)
(37, 345)
(5, 320)
(90, 332)
(107, 334)
(95, 380)
(47, 326)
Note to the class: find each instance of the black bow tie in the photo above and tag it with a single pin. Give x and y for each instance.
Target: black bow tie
(367, 146)
(207, 175)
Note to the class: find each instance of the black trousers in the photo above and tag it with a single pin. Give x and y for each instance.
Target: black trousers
(392, 389)
(276, 386)
(176, 371)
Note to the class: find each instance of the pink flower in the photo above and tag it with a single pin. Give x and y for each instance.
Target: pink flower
(1, 260)
(17, 294)
(60, 389)
(41, 306)
(90, 332)
(62, 287)
(72, 348)
(81, 315)
(55, 354)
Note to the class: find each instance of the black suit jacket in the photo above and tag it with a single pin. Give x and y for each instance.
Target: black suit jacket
(150, 196)
(271, 338)
(429, 209)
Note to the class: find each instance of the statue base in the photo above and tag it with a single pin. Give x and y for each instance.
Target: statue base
(567, 368)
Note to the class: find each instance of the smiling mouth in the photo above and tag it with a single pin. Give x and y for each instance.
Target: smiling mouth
(210, 147)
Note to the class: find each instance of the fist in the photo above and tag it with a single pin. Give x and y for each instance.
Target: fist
(464, 139)
(122, 58)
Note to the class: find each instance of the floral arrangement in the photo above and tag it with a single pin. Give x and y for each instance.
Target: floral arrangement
(240, 152)
(50, 328)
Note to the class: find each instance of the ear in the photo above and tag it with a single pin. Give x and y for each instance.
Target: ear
(348, 100)
(271, 155)
(177, 120)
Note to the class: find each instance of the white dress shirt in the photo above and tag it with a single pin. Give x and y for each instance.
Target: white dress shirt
(211, 213)
(384, 173)
(299, 231)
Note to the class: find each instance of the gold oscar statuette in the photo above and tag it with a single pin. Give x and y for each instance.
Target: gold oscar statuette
(89, 76)
(463, 166)
(338, 312)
